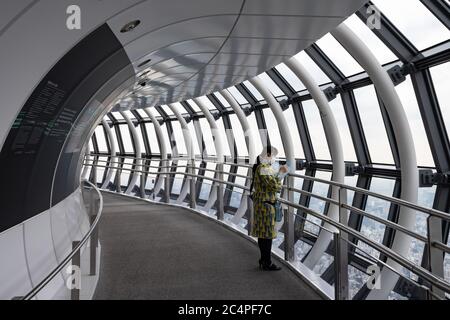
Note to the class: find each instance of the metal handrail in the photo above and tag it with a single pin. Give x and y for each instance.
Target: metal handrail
(55, 271)
(434, 280)
(430, 211)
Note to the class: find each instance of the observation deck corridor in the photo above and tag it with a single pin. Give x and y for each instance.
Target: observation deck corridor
(152, 251)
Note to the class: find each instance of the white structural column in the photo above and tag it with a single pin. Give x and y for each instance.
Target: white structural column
(112, 148)
(250, 142)
(162, 148)
(402, 130)
(249, 134)
(288, 146)
(336, 151)
(189, 184)
(218, 144)
(137, 151)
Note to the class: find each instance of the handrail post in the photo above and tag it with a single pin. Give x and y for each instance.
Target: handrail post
(434, 255)
(341, 250)
(94, 172)
(94, 238)
(142, 184)
(289, 240)
(167, 182)
(117, 179)
(220, 194)
(192, 192)
(76, 265)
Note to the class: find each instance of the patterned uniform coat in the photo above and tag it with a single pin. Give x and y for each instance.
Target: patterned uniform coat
(266, 185)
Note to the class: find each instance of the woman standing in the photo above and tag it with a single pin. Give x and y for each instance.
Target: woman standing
(267, 182)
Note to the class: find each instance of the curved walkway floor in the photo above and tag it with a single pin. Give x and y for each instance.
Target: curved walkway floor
(164, 253)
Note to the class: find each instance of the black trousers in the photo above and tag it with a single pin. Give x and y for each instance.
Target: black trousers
(265, 246)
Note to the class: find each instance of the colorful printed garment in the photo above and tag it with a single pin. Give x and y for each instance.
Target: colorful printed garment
(266, 186)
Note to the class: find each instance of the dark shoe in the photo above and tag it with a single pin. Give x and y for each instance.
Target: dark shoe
(272, 267)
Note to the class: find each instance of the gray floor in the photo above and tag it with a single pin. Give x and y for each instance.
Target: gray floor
(159, 252)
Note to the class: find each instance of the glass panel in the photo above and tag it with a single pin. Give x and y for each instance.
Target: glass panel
(221, 127)
(130, 114)
(178, 181)
(167, 110)
(126, 138)
(222, 100)
(194, 138)
(238, 135)
(316, 131)
(207, 103)
(152, 138)
(254, 128)
(117, 115)
(290, 77)
(319, 76)
(441, 82)
(101, 139)
(179, 108)
(142, 113)
(295, 135)
(406, 93)
(341, 120)
(237, 95)
(125, 176)
(317, 205)
(274, 132)
(178, 136)
(253, 91)
(341, 58)
(380, 208)
(415, 21)
(194, 105)
(271, 85)
(207, 137)
(373, 125)
(376, 46)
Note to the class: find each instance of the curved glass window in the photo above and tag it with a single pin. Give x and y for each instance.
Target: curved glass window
(253, 90)
(318, 75)
(406, 93)
(415, 21)
(254, 128)
(318, 205)
(207, 137)
(126, 138)
(142, 113)
(179, 108)
(237, 95)
(194, 105)
(380, 208)
(167, 110)
(341, 120)
(373, 125)
(207, 103)
(274, 132)
(152, 138)
(290, 77)
(295, 135)
(271, 85)
(336, 52)
(441, 81)
(140, 139)
(316, 131)
(117, 115)
(376, 46)
(101, 139)
(222, 100)
(239, 137)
